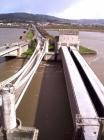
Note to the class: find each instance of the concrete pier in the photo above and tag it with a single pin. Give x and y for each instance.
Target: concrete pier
(8, 110)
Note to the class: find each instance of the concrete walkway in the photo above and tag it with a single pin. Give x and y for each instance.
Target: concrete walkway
(53, 117)
(50, 112)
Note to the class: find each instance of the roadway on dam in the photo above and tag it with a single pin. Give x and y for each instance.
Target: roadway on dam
(45, 104)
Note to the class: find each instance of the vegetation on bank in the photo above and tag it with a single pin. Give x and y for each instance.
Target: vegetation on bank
(29, 35)
(31, 49)
(32, 44)
(84, 50)
(51, 47)
(52, 43)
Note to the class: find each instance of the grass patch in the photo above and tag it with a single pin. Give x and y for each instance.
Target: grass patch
(84, 50)
(28, 53)
(30, 35)
(31, 49)
(51, 48)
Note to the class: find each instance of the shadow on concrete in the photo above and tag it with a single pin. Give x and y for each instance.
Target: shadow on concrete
(53, 117)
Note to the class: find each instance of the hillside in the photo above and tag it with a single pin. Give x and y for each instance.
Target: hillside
(26, 17)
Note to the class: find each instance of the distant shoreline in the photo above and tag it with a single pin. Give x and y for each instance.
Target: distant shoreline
(57, 28)
(80, 30)
(16, 27)
(89, 30)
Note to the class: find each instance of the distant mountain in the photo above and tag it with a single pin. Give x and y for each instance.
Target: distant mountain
(26, 17)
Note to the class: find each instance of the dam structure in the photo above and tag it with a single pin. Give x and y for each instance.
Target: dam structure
(85, 92)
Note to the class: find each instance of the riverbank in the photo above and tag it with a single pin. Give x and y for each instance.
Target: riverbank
(80, 30)
(29, 35)
(89, 28)
(85, 51)
(29, 52)
(31, 47)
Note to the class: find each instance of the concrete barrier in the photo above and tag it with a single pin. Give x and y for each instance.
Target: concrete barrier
(84, 115)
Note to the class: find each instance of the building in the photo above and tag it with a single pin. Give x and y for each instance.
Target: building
(68, 38)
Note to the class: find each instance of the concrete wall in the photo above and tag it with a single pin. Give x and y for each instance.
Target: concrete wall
(51, 56)
(13, 53)
(22, 49)
(68, 40)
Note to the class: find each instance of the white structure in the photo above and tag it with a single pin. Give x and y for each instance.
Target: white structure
(14, 49)
(8, 110)
(68, 38)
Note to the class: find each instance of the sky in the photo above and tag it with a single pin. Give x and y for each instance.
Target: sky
(69, 9)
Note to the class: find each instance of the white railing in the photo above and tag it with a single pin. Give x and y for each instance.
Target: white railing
(22, 78)
(25, 79)
(13, 88)
(8, 50)
(12, 78)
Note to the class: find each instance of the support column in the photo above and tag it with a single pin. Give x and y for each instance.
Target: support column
(47, 44)
(78, 44)
(58, 47)
(19, 51)
(8, 109)
(46, 48)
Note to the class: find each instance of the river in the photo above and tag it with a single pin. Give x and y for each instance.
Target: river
(9, 35)
(9, 66)
(94, 41)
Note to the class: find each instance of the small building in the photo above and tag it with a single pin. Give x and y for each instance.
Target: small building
(9, 24)
(68, 38)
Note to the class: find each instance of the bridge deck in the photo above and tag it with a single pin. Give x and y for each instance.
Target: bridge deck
(46, 104)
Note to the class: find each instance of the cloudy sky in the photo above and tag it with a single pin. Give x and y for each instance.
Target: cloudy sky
(70, 9)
